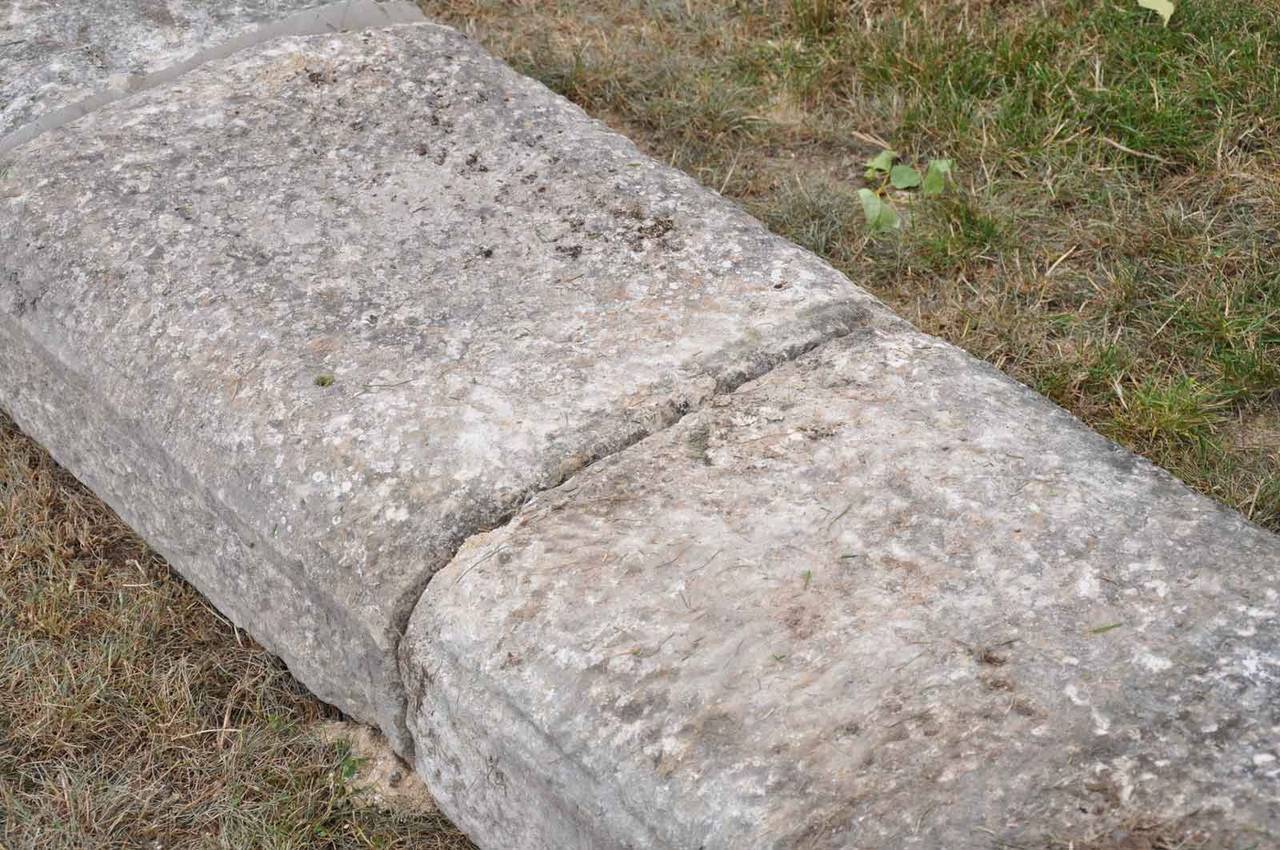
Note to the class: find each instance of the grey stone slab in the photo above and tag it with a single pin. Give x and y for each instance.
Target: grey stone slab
(883, 597)
(60, 60)
(310, 316)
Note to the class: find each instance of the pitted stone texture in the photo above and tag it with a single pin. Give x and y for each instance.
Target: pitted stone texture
(54, 52)
(61, 59)
(359, 296)
(882, 597)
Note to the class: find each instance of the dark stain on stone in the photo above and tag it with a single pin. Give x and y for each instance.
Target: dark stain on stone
(996, 683)
(158, 12)
(800, 622)
(656, 229)
(987, 655)
(634, 709)
(715, 730)
(698, 442)
(321, 77)
(1024, 707)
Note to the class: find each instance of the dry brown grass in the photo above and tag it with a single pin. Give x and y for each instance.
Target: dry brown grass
(1139, 288)
(134, 716)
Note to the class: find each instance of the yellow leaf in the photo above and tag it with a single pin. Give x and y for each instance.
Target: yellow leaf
(1163, 8)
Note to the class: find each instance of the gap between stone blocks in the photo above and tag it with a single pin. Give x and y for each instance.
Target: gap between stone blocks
(345, 16)
(865, 317)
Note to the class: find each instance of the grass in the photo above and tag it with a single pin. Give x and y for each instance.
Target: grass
(1112, 240)
(134, 716)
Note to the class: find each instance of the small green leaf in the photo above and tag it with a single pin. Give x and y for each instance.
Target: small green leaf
(1163, 8)
(348, 768)
(936, 176)
(904, 177)
(881, 163)
(880, 216)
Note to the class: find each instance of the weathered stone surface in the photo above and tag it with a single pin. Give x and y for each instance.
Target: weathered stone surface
(310, 316)
(59, 60)
(882, 597)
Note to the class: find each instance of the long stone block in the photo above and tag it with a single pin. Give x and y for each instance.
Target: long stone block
(882, 597)
(311, 315)
(61, 60)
